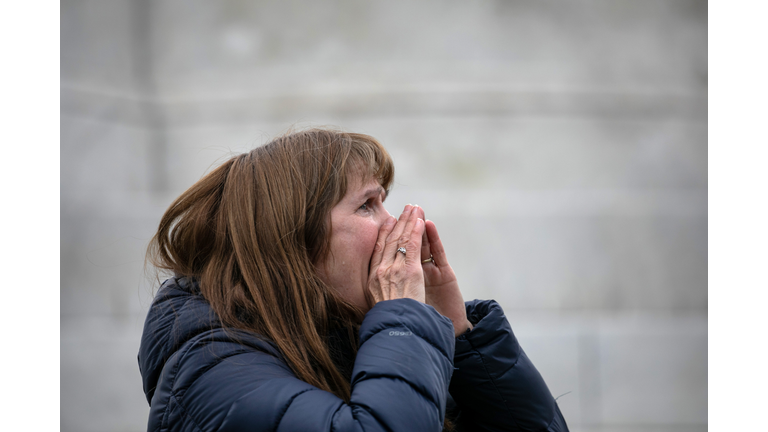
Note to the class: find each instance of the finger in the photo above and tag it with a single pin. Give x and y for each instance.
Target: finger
(378, 249)
(436, 246)
(415, 243)
(425, 252)
(419, 212)
(405, 238)
(391, 243)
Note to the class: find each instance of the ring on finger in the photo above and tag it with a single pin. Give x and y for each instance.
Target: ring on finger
(428, 260)
(401, 250)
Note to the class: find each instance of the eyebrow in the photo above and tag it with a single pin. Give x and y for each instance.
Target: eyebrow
(376, 191)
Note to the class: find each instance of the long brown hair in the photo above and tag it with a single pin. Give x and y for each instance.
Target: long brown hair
(251, 232)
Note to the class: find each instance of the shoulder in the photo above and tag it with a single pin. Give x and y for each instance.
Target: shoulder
(202, 381)
(193, 368)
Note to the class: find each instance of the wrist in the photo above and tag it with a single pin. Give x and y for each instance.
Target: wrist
(464, 328)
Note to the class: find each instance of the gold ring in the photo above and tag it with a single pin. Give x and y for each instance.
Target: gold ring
(428, 260)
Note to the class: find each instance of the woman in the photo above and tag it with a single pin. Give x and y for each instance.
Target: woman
(299, 303)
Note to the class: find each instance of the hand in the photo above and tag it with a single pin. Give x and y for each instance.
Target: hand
(392, 274)
(442, 288)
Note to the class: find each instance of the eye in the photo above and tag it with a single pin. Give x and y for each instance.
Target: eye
(366, 206)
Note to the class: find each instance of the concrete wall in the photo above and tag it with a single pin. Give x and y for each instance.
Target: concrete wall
(560, 147)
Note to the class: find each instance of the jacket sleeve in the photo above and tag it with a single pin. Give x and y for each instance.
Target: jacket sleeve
(494, 383)
(399, 382)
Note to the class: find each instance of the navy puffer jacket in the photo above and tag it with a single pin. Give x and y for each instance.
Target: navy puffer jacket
(199, 376)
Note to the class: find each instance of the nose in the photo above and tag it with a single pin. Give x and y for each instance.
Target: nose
(384, 216)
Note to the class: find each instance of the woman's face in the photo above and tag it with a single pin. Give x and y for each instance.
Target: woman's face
(355, 224)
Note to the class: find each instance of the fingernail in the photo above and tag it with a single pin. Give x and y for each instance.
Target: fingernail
(390, 220)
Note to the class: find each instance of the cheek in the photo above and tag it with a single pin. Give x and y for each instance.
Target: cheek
(368, 237)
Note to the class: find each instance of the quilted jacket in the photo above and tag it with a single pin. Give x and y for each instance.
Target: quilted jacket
(409, 372)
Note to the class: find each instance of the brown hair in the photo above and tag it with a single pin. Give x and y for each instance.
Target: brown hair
(251, 232)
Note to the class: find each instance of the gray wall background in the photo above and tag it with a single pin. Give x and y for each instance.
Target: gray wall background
(560, 147)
